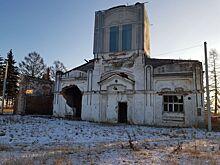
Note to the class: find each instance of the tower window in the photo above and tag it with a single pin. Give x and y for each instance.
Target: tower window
(114, 37)
(126, 37)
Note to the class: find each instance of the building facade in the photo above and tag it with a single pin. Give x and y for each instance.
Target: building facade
(35, 96)
(122, 84)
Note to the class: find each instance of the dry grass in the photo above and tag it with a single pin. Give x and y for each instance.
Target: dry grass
(4, 148)
(45, 160)
(65, 155)
(8, 110)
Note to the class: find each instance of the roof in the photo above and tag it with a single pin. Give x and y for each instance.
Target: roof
(159, 62)
(148, 61)
(121, 6)
(84, 67)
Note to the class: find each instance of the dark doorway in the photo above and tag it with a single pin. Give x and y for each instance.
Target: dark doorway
(122, 112)
(73, 97)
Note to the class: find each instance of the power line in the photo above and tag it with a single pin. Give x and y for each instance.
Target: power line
(179, 50)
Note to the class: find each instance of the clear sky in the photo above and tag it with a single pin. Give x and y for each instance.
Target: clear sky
(63, 29)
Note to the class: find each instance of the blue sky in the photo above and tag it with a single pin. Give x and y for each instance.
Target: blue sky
(63, 29)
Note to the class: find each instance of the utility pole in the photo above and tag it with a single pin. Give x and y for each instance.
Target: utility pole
(4, 87)
(216, 89)
(207, 88)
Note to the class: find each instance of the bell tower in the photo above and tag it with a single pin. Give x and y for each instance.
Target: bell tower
(120, 30)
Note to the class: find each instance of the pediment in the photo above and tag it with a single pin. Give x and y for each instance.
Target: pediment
(117, 81)
(115, 77)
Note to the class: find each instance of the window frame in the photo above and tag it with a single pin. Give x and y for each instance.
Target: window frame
(172, 104)
(120, 38)
(114, 39)
(126, 37)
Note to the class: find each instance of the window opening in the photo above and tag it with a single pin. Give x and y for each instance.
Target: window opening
(173, 103)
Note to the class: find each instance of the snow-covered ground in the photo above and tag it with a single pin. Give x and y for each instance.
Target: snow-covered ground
(38, 140)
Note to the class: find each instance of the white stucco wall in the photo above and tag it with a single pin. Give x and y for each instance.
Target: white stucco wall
(78, 78)
(102, 91)
(129, 76)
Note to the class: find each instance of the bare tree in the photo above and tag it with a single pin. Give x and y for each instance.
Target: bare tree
(214, 78)
(57, 66)
(33, 65)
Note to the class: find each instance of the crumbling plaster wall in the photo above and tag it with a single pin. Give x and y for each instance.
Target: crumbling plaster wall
(142, 87)
(78, 78)
(140, 84)
(173, 84)
(182, 79)
(118, 16)
(105, 107)
(145, 104)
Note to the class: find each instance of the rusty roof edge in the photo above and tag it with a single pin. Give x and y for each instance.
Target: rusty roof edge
(76, 68)
(155, 62)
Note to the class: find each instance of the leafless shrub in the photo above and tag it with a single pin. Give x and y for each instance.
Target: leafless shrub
(178, 148)
(131, 140)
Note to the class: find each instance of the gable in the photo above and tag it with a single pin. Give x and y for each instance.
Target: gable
(116, 82)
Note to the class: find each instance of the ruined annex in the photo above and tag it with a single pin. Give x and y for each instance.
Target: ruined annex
(35, 96)
(122, 84)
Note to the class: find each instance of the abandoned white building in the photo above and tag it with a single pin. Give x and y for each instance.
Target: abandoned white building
(123, 84)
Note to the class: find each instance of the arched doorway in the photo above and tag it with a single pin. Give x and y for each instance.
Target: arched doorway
(73, 97)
